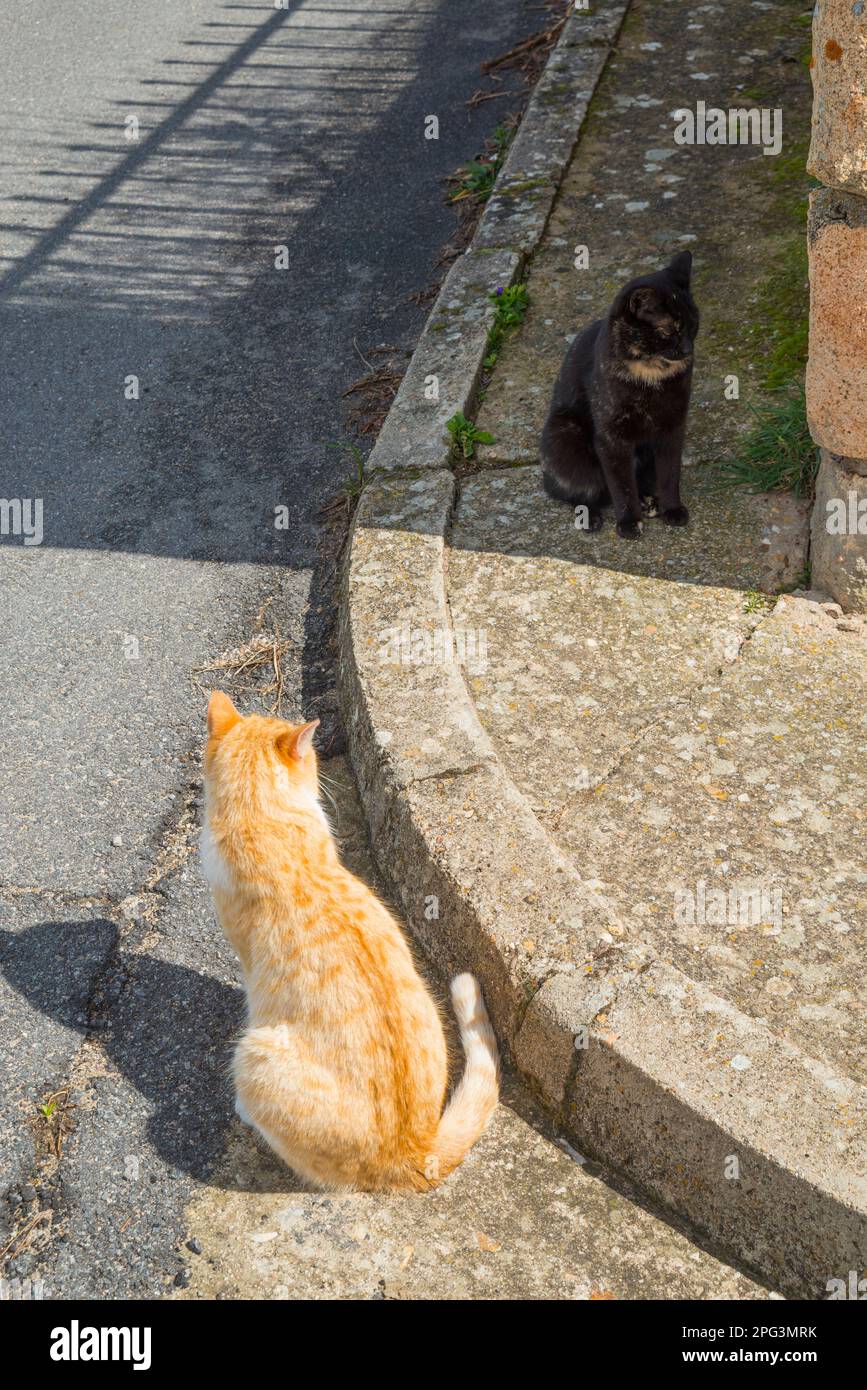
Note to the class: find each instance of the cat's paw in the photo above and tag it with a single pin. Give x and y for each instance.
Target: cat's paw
(242, 1113)
(675, 516)
(594, 521)
(649, 506)
(629, 530)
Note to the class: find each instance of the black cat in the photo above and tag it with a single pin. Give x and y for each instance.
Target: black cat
(615, 429)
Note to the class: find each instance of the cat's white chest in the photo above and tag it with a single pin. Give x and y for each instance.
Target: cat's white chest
(213, 864)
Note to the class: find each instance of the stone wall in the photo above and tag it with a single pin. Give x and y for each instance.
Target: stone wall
(837, 240)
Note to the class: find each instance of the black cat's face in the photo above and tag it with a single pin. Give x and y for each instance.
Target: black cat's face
(655, 321)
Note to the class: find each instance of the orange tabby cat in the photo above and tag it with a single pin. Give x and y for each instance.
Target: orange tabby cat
(342, 1068)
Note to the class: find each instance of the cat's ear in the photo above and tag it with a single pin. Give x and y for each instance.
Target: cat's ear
(680, 267)
(295, 743)
(222, 715)
(304, 740)
(645, 304)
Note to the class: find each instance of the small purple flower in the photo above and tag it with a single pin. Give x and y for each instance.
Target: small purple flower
(499, 289)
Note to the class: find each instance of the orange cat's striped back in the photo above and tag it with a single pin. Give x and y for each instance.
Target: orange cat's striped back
(343, 1065)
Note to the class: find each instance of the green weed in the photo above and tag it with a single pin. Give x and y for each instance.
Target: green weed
(465, 435)
(511, 305)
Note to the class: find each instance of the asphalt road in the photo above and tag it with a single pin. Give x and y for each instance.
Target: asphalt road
(154, 157)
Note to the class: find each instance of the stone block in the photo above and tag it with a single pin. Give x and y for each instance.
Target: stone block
(839, 534)
(838, 148)
(837, 366)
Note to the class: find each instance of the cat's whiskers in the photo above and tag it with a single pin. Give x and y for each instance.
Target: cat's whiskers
(326, 793)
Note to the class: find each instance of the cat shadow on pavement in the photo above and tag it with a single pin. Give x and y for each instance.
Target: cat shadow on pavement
(166, 1029)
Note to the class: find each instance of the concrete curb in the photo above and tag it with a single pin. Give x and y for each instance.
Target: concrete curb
(516, 214)
(632, 1057)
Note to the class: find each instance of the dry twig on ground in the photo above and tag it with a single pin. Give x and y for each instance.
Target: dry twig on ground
(377, 390)
(265, 650)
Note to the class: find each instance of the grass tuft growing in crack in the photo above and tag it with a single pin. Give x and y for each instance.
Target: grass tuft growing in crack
(757, 602)
(339, 508)
(511, 305)
(778, 454)
(476, 179)
(354, 481)
(54, 1121)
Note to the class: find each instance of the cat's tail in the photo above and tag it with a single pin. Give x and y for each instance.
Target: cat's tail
(476, 1095)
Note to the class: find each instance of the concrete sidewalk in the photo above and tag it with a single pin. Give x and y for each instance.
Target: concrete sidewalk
(634, 803)
(680, 750)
